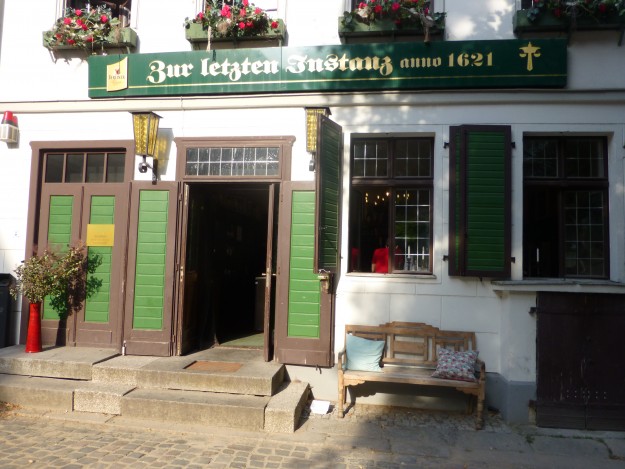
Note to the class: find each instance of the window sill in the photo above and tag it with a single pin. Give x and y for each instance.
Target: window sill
(198, 37)
(393, 276)
(120, 38)
(559, 285)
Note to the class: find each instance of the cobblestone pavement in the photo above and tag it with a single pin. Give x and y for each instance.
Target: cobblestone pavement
(368, 437)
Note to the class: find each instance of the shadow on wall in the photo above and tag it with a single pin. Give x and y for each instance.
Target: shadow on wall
(493, 21)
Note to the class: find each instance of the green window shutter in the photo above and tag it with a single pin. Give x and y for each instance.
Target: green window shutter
(59, 236)
(480, 201)
(97, 303)
(328, 190)
(304, 292)
(149, 295)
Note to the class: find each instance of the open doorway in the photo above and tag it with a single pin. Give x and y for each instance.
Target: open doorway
(225, 291)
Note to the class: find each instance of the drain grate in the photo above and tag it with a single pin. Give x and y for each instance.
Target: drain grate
(222, 367)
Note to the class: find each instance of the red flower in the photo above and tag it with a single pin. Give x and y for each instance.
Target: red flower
(104, 18)
(78, 12)
(377, 9)
(242, 25)
(71, 42)
(362, 5)
(246, 3)
(603, 7)
(557, 12)
(84, 27)
(225, 11)
(249, 24)
(58, 36)
(67, 20)
(258, 11)
(89, 39)
(395, 6)
(200, 16)
(426, 11)
(274, 25)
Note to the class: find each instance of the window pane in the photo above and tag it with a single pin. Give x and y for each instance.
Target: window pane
(368, 227)
(95, 167)
(584, 158)
(370, 159)
(115, 167)
(74, 167)
(584, 228)
(412, 230)
(233, 161)
(54, 167)
(413, 158)
(540, 158)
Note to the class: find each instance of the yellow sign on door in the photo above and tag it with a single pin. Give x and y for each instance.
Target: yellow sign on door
(100, 235)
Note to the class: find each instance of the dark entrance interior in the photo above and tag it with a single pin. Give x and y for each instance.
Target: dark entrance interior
(226, 254)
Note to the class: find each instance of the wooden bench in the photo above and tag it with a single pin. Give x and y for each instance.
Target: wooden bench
(410, 356)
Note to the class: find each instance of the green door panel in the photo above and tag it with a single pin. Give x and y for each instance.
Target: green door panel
(304, 294)
(150, 264)
(102, 212)
(59, 236)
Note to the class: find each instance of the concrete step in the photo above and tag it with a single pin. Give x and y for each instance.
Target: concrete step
(53, 362)
(233, 371)
(101, 398)
(284, 410)
(228, 410)
(42, 393)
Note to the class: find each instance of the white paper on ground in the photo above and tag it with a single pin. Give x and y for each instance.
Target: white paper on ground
(320, 407)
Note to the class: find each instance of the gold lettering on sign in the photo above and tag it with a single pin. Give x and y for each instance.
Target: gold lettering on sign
(530, 52)
(117, 75)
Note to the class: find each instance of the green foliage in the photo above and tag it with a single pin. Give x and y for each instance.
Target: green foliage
(59, 276)
(237, 18)
(82, 28)
(404, 13)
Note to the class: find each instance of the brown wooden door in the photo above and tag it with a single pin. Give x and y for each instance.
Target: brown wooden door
(151, 270)
(268, 322)
(67, 210)
(580, 361)
(99, 323)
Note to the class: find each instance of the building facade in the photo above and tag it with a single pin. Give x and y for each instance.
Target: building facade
(481, 142)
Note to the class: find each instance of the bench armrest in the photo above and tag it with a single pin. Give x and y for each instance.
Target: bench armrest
(342, 359)
(480, 370)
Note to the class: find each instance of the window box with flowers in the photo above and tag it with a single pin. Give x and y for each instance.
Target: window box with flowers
(92, 30)
(567, 15)
(391, 18)
(228, 25)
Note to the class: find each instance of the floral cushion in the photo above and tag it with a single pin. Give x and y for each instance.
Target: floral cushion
(456, 365)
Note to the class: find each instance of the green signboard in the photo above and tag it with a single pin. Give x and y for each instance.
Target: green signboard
(394, 66)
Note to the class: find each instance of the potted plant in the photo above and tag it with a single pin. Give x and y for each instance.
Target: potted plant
(90, 29)
(391, 17)
(239, 21)
(50, 275)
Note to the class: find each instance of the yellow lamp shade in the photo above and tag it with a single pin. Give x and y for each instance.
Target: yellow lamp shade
(145, 125)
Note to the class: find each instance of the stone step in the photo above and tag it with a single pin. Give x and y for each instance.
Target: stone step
(220, 409)
(232, 371)
(53, 362)
(41, 393)
(101, 398)
(284, 410)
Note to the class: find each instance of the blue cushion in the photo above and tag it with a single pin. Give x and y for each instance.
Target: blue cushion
(363, 354)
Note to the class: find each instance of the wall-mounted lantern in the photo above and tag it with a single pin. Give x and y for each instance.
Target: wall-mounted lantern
(9, 131)
(145, 125)
(312, 121)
